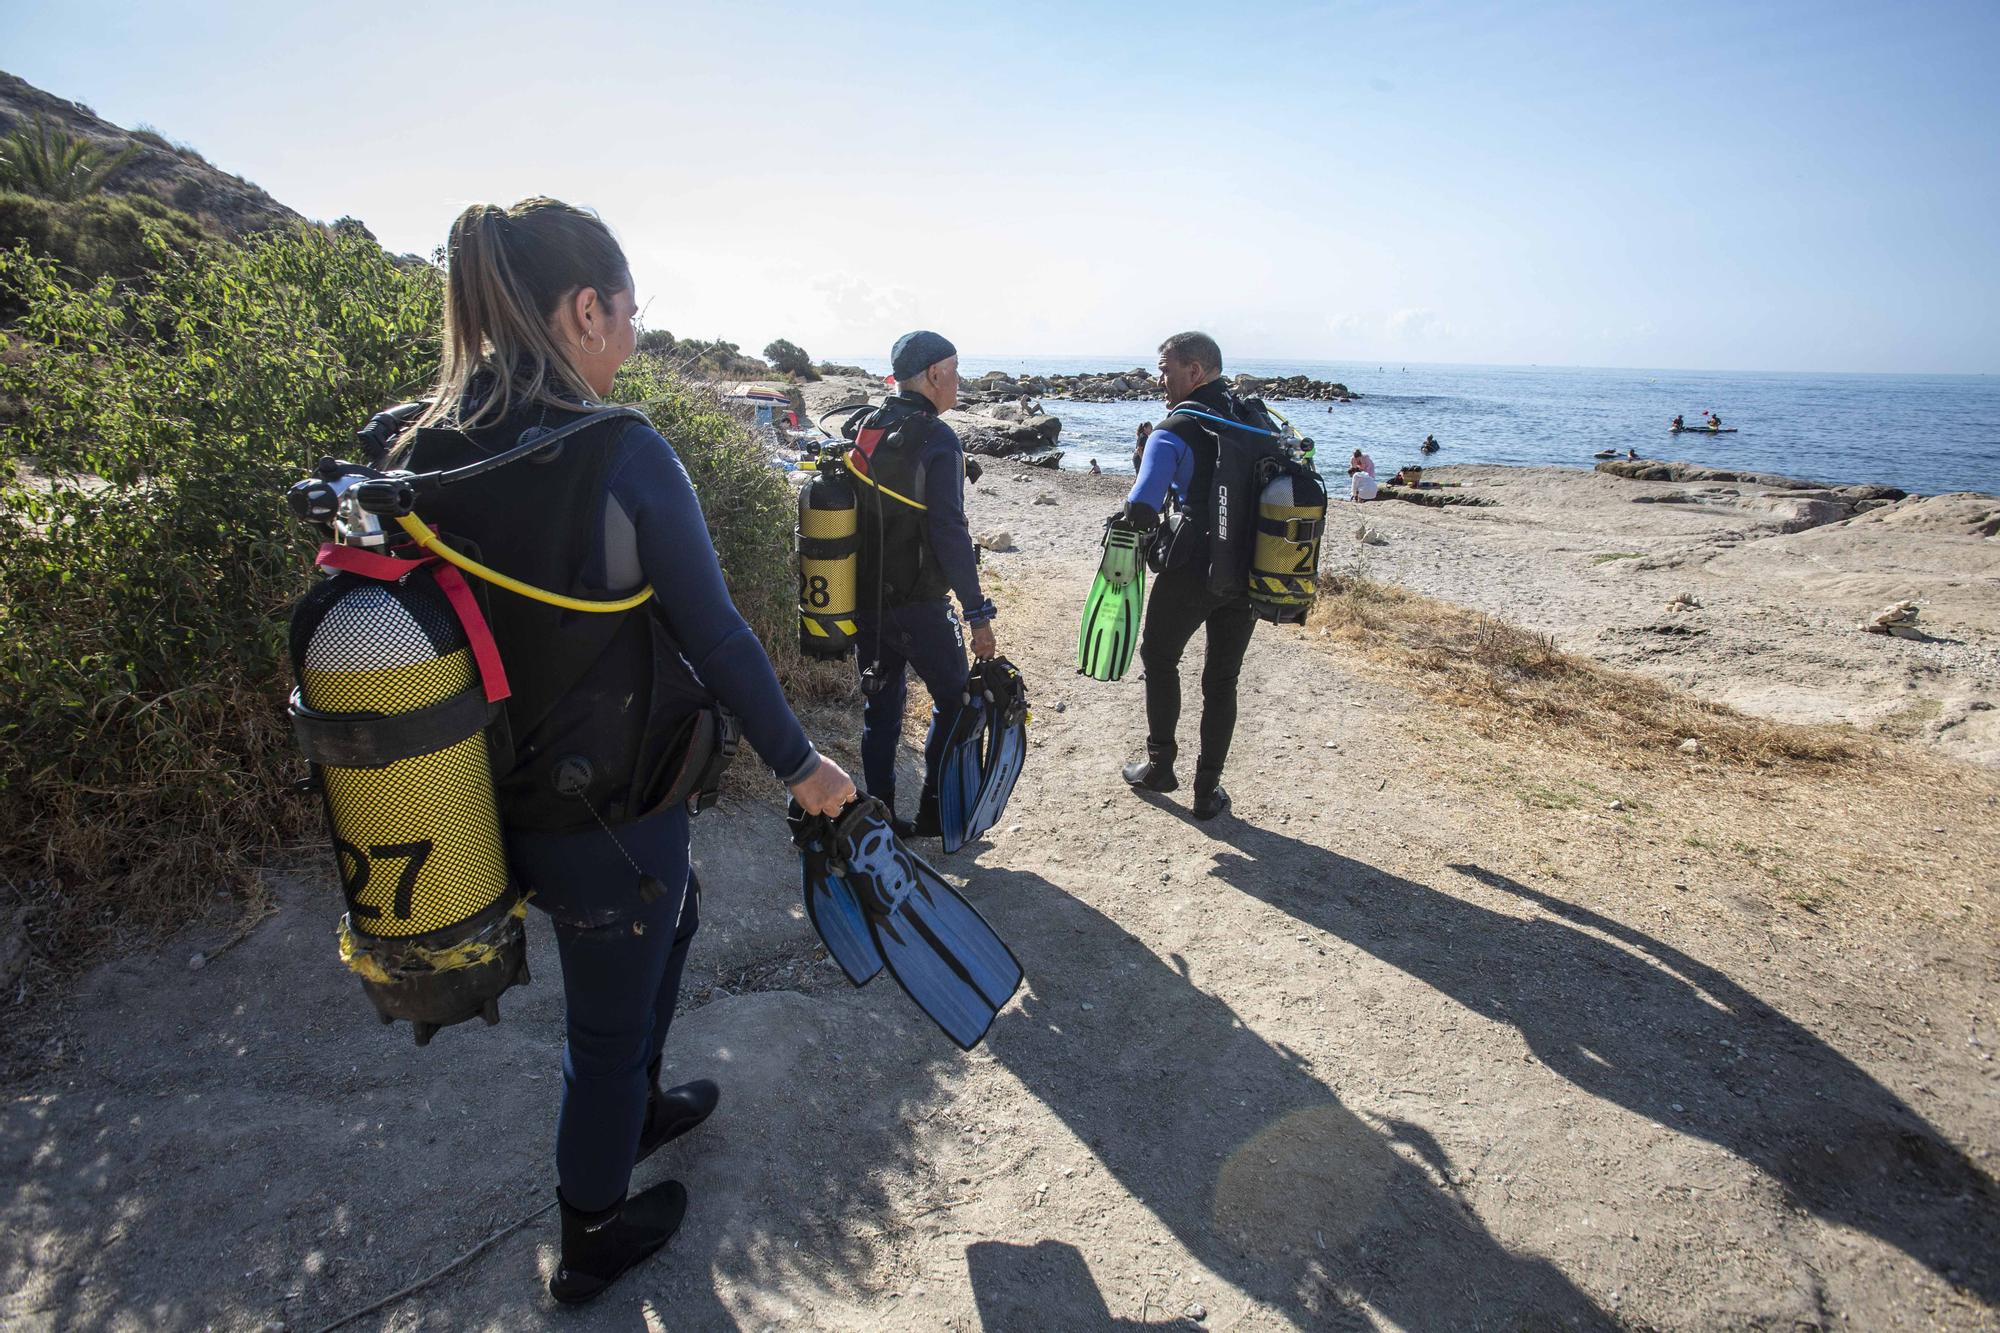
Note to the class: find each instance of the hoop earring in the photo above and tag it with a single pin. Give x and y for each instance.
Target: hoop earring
(602, 343)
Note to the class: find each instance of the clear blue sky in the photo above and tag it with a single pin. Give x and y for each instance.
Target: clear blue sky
(1727, 186)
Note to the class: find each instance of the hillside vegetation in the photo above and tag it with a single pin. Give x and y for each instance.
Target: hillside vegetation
(157, 397)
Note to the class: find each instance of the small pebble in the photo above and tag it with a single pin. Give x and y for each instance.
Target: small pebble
(197, 961)
(1196, 1311)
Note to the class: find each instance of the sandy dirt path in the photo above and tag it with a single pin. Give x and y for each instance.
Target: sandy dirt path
(1428, 1035)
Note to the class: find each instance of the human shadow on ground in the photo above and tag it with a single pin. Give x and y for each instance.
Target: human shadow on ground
(1643, 1025)
(1248, 1159)
(245, 1143)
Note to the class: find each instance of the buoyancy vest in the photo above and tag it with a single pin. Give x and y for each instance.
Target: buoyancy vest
(605, 711)
(896, 566)
(1227, 436)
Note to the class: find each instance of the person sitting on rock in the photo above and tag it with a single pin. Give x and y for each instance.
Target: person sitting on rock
(1361, 484)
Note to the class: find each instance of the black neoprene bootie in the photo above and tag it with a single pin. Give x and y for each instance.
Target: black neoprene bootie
(1210, 799)
(674, 1112)
(598, 1247)
(1155, 772)
(926, 824)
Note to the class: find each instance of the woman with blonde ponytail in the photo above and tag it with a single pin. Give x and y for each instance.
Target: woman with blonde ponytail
(539, 310)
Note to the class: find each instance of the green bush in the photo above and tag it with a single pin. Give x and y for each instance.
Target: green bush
(147, 562)
(750, 508)
(789, 357)
(97, 236)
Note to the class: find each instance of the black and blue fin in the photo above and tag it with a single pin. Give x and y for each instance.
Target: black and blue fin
(961, 769)
(1006, 741)
(831, 904)
(937, 946)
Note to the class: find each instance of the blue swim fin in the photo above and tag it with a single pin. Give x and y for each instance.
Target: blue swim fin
(1006, 749)
(831, 904)
(961, 768)
(937, 946)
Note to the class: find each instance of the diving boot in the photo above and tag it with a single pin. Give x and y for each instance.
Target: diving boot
(1210, 799)
(674, 1112)
(1155, 772)
(598, 1247)
(926, 824)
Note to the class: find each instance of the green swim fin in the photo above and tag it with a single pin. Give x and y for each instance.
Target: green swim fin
(1112, 612)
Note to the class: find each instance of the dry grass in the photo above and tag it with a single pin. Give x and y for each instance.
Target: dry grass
(1504, 678)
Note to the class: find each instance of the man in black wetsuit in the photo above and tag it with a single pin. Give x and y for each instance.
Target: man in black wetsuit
(1180, 461)
(915, 549)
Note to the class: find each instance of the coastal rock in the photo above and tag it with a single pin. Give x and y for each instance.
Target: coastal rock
(1140, 384)
(1649, 469)
(1000, 540)
(995, 436)
(1017, 410)
(1899, 619)
(1797, 514)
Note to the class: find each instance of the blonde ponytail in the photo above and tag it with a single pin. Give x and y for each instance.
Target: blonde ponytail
(507, 272)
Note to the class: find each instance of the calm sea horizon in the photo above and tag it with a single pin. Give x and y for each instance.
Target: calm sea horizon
(1924, 433)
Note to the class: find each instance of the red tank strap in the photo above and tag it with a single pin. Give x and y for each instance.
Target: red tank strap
(392, 569)
(477, 633)
(368, 564)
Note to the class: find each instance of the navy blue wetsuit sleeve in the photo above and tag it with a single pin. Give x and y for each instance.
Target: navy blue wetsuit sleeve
(944, 506)
(1168, 463)
(675, 555)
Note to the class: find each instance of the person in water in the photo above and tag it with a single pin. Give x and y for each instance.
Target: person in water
(1181, 458)
(912, 556)
(1360, 462)
(1430, 444)
(539, 305)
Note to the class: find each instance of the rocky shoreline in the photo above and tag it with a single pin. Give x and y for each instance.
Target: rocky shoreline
(1003, 416)
(1140, 385)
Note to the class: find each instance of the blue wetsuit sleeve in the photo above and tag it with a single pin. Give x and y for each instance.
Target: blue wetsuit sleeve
(944, 515)
(1168, 463)
(676, 556)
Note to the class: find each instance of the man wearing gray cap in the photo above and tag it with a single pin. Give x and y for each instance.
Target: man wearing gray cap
(915, 549)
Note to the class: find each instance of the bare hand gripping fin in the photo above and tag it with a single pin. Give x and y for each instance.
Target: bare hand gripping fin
(936, 945)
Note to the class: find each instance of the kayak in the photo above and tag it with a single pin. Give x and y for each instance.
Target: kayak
(1701, 430)
(1605, 453)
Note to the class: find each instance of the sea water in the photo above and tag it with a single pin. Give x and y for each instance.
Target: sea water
(1923, 433)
